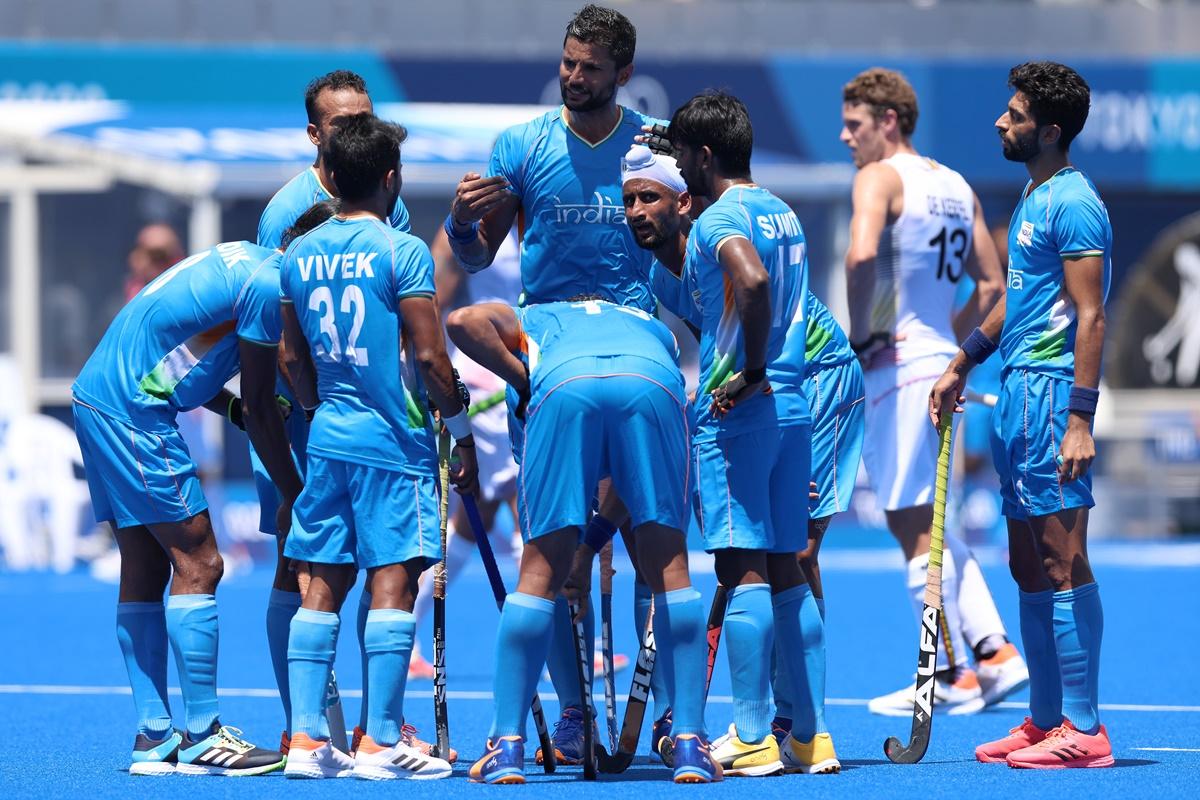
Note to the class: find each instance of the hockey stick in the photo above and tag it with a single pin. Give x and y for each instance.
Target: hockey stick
(585, 692)
(716, 621)
(498, 592)
(441, 748)
(635, 706)
(988, 400)
(606, 639)
(922, 724)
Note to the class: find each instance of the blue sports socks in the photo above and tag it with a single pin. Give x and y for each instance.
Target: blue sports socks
(142, 634)
(311, 648)
(1041, 655)
(800, 660)
(682, 643)
(280, 610)
(192, 628)
(561, 659)
(660, 679)
(1078, 629)
(388, 640)
(749, 633)
(360, 627)
(526, 627)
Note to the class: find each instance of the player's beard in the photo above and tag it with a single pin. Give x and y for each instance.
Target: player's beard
(1021, 150)
(650, 237)
(591, 102)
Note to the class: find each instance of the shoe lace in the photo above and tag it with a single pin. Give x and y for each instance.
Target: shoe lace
(233, 737)
(408, 733)
(569, 725)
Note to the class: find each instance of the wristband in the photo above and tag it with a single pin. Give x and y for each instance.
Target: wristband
(754, 375)
(459, 425)
(978, 347)
(1083, 400)
(461, 238)
(599, 532)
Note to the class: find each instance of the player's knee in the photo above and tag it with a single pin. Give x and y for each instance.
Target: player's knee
(203, 569)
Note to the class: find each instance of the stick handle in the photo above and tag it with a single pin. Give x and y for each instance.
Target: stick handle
(439, 571)
(933, 583)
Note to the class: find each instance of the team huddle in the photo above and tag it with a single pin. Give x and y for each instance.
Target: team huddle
(350, 401)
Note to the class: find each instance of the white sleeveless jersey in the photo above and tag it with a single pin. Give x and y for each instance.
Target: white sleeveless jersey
(501, 281)
(922, 257)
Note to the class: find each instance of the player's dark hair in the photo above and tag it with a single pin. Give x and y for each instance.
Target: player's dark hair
(361, 151)
(314, 216)
(719, 121)
(1057, 95)
(883, 90)
(333, 81)
(605, 28)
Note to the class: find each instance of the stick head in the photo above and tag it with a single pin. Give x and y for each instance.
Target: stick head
(613, 764)
(900, 753)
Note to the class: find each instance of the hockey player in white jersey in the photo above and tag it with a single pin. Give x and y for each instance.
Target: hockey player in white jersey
(917, 227)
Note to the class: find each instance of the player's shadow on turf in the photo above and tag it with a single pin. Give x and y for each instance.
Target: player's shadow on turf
(1135, 762)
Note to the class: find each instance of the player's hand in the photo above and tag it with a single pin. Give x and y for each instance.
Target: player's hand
(476, 196)
(464, 394)
(1078, 449)
(946, 396)
(655, 137)
(735, 390)
(464, 468)
(812, 491)
(283, 518)
(578, 587)
(873, 345)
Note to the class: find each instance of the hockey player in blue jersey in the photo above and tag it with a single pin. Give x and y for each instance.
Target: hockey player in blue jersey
(1050, 333)
(359, 309)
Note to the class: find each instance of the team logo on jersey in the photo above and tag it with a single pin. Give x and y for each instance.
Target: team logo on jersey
(603, 212)
(1025, 236)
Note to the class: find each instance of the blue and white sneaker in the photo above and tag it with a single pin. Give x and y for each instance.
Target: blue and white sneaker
(693, 761)
(568, 737)
(225, 752)
(660, 735)
(155, 756)
(504, 762)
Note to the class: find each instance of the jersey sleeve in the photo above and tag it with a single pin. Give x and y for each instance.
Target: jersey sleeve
(412, 269)
(399, 217)
(508, 159)
(1081, 226)
(272, 224)
(719, 223)
(256, 309)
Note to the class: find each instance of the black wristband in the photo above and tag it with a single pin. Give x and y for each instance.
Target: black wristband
(1083, 400)
(757, 375)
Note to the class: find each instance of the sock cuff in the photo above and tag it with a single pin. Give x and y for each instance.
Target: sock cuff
(678, 596)
(316, 617)
(191, 600)
(283, 599)
(796, 594)
(531, 602)
(139, 608)
(390, 615)
(1036, 598)
(1078, 593)
(749, 587)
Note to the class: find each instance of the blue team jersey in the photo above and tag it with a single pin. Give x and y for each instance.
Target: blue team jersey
(826, 344)
(555, 334)
(671, 292)
(297, 196)
(1061, 219)
(174, 345)
(575, 240)
(750, 212)
(345, 279)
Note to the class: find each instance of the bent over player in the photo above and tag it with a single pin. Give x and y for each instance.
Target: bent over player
(1050, 333)
(150, 365)
(601, 394)
(917, 228)
(359, 309)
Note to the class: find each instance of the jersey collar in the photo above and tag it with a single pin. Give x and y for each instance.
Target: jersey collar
(562, 111)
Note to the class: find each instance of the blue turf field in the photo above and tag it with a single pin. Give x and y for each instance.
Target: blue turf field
(69, 716)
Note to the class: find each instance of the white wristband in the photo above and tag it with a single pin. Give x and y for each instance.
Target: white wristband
(459, 425)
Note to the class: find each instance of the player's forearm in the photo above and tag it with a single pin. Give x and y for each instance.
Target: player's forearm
(220, 403)
(991, 327)
(1089, 345)
(977, 308)
(474, 332)
(860, 287)
(471, 252)
(264, 426)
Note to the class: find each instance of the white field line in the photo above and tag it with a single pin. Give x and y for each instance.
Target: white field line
(453, 694)
(1168, 749)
